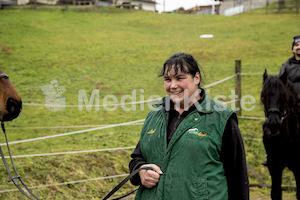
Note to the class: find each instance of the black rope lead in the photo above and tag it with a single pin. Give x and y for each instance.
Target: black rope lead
(14, 178)
(18, 177)
(124, 181)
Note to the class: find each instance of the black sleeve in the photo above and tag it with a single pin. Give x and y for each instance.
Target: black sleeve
(136, 161)
(282, 69)
(234, 161)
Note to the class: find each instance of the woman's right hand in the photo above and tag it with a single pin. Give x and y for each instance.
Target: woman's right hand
(150, 178)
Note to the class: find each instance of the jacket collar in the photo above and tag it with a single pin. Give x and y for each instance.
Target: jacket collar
(293, 60)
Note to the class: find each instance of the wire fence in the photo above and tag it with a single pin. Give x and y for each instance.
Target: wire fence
(101, 127)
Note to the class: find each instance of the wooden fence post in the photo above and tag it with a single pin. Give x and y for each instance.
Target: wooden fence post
(238, 87)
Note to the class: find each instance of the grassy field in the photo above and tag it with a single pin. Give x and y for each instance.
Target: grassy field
(119, 53)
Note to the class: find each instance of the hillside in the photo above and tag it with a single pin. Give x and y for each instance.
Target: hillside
(117, 55)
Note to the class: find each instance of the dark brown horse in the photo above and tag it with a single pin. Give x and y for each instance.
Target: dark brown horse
(10, 100)
(281, 130)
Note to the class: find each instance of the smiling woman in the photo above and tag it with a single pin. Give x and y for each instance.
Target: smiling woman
(10, 100)
(182, 80)
(195, 148)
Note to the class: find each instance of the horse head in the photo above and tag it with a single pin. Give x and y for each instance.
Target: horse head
(10, 100)
(275, 98)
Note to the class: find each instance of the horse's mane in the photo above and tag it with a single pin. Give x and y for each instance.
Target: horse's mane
(281, 90)
(273, 86)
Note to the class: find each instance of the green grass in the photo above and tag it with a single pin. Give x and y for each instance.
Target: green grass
(117, 51)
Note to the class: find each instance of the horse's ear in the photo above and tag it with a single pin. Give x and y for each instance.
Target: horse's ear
(265, 76)
(284, 77)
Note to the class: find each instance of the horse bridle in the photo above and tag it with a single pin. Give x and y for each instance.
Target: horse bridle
(282, 116)
(3, 76)
(13, 178)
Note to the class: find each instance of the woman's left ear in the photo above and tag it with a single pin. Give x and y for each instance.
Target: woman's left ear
(197, 78)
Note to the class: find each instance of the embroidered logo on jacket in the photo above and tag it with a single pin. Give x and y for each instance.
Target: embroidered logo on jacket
(196, 132)
(151, 131)
(202, 134)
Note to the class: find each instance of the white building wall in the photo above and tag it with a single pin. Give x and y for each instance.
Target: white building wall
(145, 5)
(149, 7)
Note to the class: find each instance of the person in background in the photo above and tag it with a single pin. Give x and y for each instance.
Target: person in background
(292, 67)
(292, 64)
(192, 143)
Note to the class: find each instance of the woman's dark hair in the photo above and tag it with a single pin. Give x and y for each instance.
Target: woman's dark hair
(181, 61)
